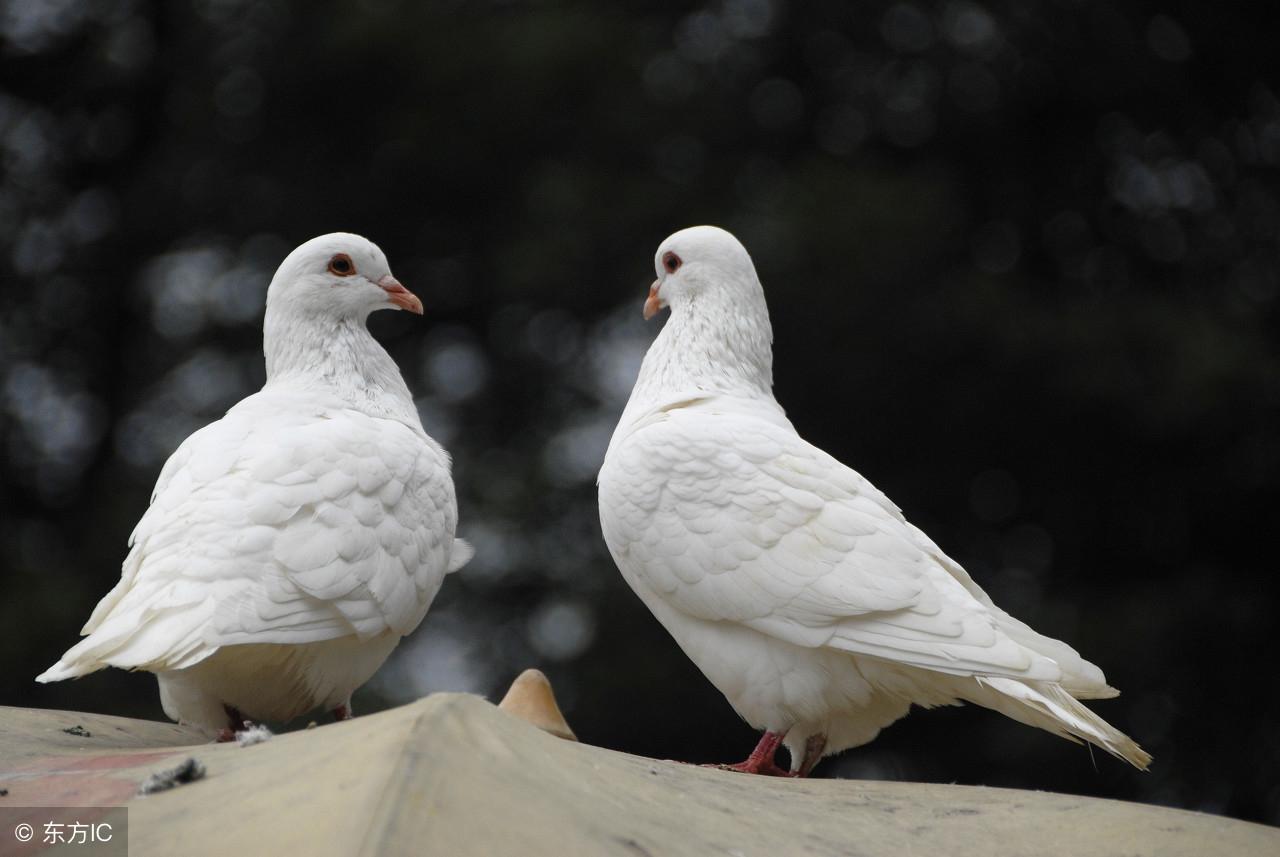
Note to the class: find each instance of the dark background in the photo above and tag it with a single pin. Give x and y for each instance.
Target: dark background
(1021, 260)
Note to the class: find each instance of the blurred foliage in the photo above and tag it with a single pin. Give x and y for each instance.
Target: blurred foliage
(1022, 260)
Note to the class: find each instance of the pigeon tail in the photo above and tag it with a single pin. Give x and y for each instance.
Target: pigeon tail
(60, 672)
(462, 554)
(1049, 706)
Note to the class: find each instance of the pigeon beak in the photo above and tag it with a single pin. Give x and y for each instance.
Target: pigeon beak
(653, 303)
(399, 295)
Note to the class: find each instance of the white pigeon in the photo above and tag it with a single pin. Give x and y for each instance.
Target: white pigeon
(291, 544)
(798, 588)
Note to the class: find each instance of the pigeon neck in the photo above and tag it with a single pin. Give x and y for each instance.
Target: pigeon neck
(336, 356)
(708, 346)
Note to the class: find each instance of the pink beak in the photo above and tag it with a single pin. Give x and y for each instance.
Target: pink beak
(652, 303)
(399, 295)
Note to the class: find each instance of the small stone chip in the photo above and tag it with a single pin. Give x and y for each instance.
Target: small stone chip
(190, 770)
(78, 731)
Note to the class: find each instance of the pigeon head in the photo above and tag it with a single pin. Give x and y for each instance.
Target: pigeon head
(340, 275)
(701, 262)
(718, 338)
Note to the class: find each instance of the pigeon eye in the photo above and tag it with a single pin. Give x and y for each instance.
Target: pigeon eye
(671, 262)
(342, 265)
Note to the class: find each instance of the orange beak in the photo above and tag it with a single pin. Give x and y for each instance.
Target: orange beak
(399, 295)
(652, 303)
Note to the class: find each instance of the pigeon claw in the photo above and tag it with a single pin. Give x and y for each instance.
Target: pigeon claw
(237, 723)
(761, 760)
(767, 769)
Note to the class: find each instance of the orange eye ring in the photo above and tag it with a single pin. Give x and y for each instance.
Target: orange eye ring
(671, 262)
(342, 265)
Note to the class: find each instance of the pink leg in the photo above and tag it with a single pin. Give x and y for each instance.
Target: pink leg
(761, 759)
(343, 711)
(813, 748)
(237, 723)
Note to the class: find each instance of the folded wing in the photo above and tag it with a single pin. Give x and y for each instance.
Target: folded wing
(279, 524)
(731, 517)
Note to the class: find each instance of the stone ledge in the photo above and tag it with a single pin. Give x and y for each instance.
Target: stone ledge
(453, 775)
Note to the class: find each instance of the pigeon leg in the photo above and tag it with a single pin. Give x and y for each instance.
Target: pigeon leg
(813, 748)
(761, 759)
(343, 711)
(237, 723)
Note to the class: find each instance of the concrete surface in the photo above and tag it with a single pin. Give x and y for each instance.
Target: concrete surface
(453, 775)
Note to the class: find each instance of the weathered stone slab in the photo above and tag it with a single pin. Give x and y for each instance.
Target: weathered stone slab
(452, 774)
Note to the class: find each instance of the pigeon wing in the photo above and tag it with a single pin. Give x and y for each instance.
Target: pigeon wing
(731, 517)
(279, 524)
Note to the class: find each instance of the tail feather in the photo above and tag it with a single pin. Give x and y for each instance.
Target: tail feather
(1106, 691)
(462, 553)
(165, 639)
(1051, 707)
(60, 672)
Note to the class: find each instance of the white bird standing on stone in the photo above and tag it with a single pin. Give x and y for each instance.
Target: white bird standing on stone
(291, 544)
(798, 588)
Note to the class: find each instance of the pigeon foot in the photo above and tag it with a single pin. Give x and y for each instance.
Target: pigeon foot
(813, 747)
(761, 759)
(237, 724)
